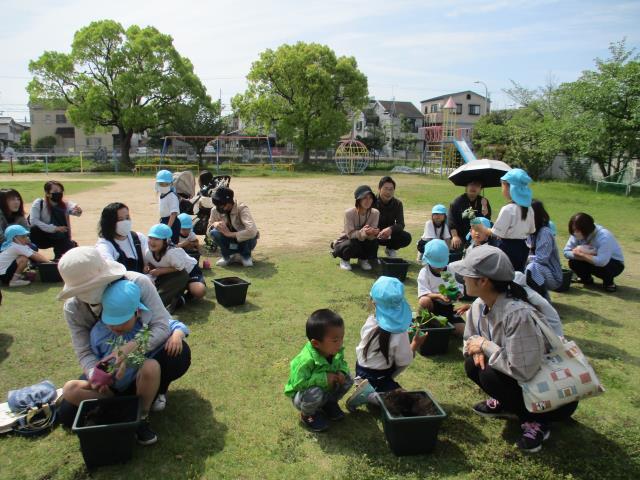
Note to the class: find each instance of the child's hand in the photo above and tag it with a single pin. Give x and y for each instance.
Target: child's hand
(332, 379)
(442, 298)
(418, 340)
(341, 378)
(155, 272)
(462, 309)
(173, 346)
(146, 269)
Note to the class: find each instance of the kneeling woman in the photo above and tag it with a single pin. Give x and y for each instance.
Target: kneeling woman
(117, 241)
(503, 343)
(163, 261)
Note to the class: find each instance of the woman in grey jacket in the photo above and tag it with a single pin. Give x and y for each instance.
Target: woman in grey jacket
(503, 343)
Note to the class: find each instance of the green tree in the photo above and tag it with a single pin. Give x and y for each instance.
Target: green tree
(303, 92)
(46, 142)
(200, 119)
(130, 79)
(25, 139)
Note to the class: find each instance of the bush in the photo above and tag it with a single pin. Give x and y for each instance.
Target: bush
(46, 142)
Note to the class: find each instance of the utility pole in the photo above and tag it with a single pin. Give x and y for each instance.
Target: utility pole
(486, 97)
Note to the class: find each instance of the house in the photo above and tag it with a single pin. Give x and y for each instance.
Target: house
(392, 119)
(470, 106)
(10, 131)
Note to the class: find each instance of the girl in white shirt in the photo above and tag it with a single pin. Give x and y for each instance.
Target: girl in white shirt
(516, 220)
(163, 258)
(15, 254)
(435, 228)
(169, 203)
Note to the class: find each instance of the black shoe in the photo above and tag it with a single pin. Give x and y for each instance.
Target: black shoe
(586, 280)
(144, 434)
(333, 411)
(533, 434)
(491, 408)
(610, 288)
(315, 423)
(176, 303)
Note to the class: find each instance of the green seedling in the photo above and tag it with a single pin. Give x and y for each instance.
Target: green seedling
(470, 214)
(450, 287)
(426, 319)
(136, 358)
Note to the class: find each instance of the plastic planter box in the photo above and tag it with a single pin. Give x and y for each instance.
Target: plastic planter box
(109, 435)
(395, 267)
(49, 272)
(437, 342)
(231, 291)
(566, 280)
(412, 435)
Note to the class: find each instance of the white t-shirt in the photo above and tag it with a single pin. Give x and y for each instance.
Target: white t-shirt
(174, 257)
(400, 353)
(509, 223)
(12, 252)
(430, 231)
(109, 252)
(169, 204)
(429, 283)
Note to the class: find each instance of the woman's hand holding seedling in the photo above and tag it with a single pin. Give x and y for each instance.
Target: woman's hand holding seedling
(174, 344)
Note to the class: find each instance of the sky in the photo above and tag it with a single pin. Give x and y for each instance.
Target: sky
(409, 50)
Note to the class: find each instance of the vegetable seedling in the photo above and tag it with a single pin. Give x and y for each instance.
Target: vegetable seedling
(450, 287)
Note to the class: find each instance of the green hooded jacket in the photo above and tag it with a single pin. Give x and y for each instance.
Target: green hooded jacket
(309, 369)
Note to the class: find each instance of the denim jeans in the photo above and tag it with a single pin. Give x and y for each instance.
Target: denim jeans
(228, 246)
(309, 401)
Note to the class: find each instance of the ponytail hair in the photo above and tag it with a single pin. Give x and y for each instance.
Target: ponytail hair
(512, 289)
(384, 338)
(523, 212)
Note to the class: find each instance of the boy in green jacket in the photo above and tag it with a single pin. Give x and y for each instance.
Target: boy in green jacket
(319, 376)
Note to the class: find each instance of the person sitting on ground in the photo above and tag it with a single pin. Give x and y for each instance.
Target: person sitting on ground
(11, 210)
(458, 226)
(120, 320)
(504, 344)
(50, 225)
(436, 227)
(86, 275)
(435, 259)
(392, 234)
(593, 250)
(118, 242)
(168, 203)
(163, 259)
(233, 228)
(15, 254)
(544, 271)
(319, 375)
(359, 238)
(384, 351)
(188, 239)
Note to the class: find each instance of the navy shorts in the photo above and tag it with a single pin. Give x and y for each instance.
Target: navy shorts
(196, 275)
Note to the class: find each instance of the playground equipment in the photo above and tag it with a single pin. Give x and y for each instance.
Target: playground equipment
(352, 157)
(445, 144)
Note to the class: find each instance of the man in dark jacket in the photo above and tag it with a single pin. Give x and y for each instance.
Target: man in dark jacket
(458, 226)
(391, 224)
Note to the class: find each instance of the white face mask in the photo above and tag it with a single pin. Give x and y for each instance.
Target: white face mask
(163, 190)
(123, 227)
(92, 297)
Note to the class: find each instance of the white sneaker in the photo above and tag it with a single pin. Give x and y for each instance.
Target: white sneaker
(246, 262)
(223, 262)
(159, 403)
(345, 265)
(17, 282)
(391, 253)
(364, 264)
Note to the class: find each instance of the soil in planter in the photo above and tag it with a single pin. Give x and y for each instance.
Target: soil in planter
(409, 404)
(108, 414)
(227, 282)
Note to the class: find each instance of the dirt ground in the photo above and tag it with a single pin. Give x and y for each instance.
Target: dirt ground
(291, 213)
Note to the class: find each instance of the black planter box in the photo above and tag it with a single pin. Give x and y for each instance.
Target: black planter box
(437, 342)
(49, 272)
(110, 437)
(566, 280)
(231, 291)
(395, 267)
(412, 435)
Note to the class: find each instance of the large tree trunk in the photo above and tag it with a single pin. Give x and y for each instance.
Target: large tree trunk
(125, 146)
(306, 155)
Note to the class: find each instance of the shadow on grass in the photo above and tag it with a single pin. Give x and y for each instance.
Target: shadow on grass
(629, 294)
(5, 342)
(262, 268)
(571, 313)
(603, 351)
(244, 308)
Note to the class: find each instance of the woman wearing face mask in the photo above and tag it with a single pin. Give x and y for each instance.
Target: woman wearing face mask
(117, 241)
(50, 225)
(86, 275)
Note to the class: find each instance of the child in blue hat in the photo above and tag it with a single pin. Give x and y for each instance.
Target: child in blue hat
(122, 318)
(15, 254)
(188, 240)
(384, 350)
(436, 227)
(516, 220)
(169, 203)
(435, 260)
(479, 237)
(162, 258)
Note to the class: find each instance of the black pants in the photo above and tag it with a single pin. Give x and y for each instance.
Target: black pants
(584, 270)
(171, 368)
(507, 391)
(397, 240)
(517, 251)
(60, 242)
(171, 285)
(352, 248)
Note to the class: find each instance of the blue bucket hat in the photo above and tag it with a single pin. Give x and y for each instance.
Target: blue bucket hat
(392, 310)
(484, 221)
(439, 209)
(160, 231)
(185, 220)
(436, 253)
(164, 176)
(519, 190)
(120, 301)
(10, 233)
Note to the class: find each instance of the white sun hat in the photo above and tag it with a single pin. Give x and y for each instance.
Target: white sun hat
(83, 269)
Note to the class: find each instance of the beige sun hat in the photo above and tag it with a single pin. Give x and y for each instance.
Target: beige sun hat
(83, 269)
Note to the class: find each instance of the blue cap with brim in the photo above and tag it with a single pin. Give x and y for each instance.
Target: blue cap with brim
(439, 210)
(185, 221)
(120, 301)
(519, 190)
(436, 253)
(164, 176)
(484, 221)
(392, 310)
(12, 232)
(161, 231)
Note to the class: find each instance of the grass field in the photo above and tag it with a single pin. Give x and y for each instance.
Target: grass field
(228, 417)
